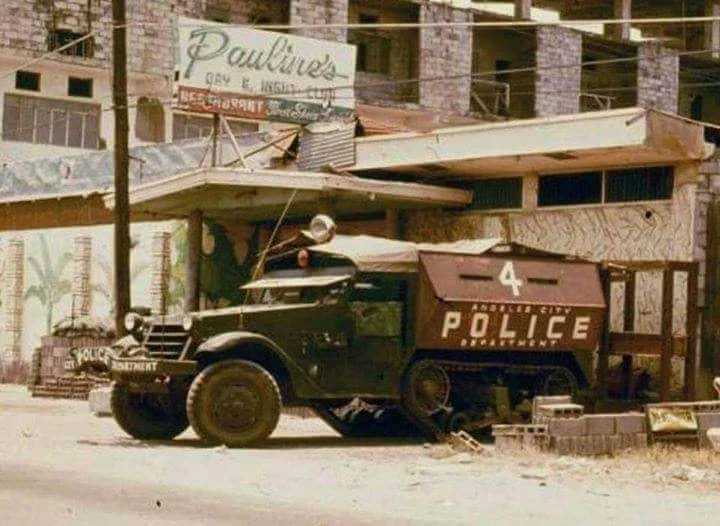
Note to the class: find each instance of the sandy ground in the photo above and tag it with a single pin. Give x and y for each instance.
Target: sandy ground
(60, 465)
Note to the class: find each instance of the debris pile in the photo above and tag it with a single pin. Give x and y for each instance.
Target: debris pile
(73, 361)
(562, 427)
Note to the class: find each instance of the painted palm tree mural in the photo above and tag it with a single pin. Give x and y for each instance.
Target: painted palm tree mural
(105, 286)
(50, 285)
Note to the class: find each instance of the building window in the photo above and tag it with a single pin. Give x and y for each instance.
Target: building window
(27, 80)
(49, 121)
(373, 49)
(150, 120)
(574, 189)
(196, 127)
(612, 186)
(639, 184)
(503, 193)
(80, 87)
(60, 38)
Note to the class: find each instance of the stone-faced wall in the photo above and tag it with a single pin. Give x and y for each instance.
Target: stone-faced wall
(557, 90)
(638, 231)
(26, 25)
(247, 11)
(445, 51)
(313, 12)
(658, 77)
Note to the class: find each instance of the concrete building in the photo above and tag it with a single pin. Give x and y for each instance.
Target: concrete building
(559, 155)
(60, 104)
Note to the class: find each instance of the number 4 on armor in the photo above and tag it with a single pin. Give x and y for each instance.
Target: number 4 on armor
(509, 279)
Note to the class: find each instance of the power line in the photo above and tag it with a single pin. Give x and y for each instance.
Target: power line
(485, 24)
(480, 74)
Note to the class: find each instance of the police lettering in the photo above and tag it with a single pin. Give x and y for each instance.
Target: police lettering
(524, 326)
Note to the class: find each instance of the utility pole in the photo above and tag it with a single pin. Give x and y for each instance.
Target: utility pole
(122, 164)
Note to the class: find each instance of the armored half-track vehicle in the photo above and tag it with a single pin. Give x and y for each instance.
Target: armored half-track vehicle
(378, 336)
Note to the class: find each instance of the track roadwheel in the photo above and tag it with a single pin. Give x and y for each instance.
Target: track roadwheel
(147, 416)
(235, 402)
(425, 398)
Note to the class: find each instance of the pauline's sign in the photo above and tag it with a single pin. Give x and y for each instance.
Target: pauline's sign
(261, 74)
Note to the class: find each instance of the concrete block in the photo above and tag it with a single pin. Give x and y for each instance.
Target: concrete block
(539, 401)
(641, 441)
(559, 411)
(566, 427)
(599, 424)
(631, 423)
(712, 439)
(707, 421)
(562, 445)
(613, 444)
(99, 401)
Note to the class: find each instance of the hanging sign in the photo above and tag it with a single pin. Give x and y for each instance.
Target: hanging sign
(257, 74)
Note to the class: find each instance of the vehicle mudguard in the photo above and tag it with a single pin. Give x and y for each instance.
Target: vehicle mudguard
(231, 344)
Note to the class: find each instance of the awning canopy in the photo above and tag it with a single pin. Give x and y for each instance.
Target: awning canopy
(259, 194)
(585, 141)
(377, 254)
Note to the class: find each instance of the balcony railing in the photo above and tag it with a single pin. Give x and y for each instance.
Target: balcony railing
(595, 102)
(490, 98)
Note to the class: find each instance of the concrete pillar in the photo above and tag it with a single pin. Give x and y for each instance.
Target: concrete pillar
(557, 89)
(192, 270)
(392, 224)
(712, 29)
(658, 77)
(13, 288)
(622, 10)
(318, 12)
(445, 52)
(82, 269)
(160, 279)
(523, 9)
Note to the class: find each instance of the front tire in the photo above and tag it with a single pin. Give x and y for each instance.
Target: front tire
(234, 402)
(147, 416)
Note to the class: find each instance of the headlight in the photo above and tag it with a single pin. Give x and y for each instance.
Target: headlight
(322, 228)
(133, 321)
(188, 323)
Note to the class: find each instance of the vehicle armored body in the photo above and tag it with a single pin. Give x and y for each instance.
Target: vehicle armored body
(378, 336)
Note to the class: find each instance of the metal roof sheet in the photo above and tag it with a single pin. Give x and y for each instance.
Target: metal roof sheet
(376, 254)
(92, 173)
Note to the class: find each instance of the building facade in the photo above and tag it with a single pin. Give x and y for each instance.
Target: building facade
(633, 209)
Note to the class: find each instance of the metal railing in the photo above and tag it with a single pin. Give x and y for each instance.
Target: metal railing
(490, 97)
(594, 102)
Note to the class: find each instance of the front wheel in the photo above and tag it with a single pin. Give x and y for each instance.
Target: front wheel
(235, 402)
(147, 416)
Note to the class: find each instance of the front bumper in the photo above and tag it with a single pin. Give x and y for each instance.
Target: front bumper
(148, 367)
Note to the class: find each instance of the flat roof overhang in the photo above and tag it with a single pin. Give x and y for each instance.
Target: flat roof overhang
(585, 141)
(259, 194)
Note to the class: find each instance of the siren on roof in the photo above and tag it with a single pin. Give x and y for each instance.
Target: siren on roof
(322, 228)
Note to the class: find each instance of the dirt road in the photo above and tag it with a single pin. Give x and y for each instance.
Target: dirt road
(60, 465)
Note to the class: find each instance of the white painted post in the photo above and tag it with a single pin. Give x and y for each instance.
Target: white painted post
(82, 270)
(13, 287)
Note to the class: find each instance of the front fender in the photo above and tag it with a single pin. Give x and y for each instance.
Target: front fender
(235, 344)
(232, 340)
